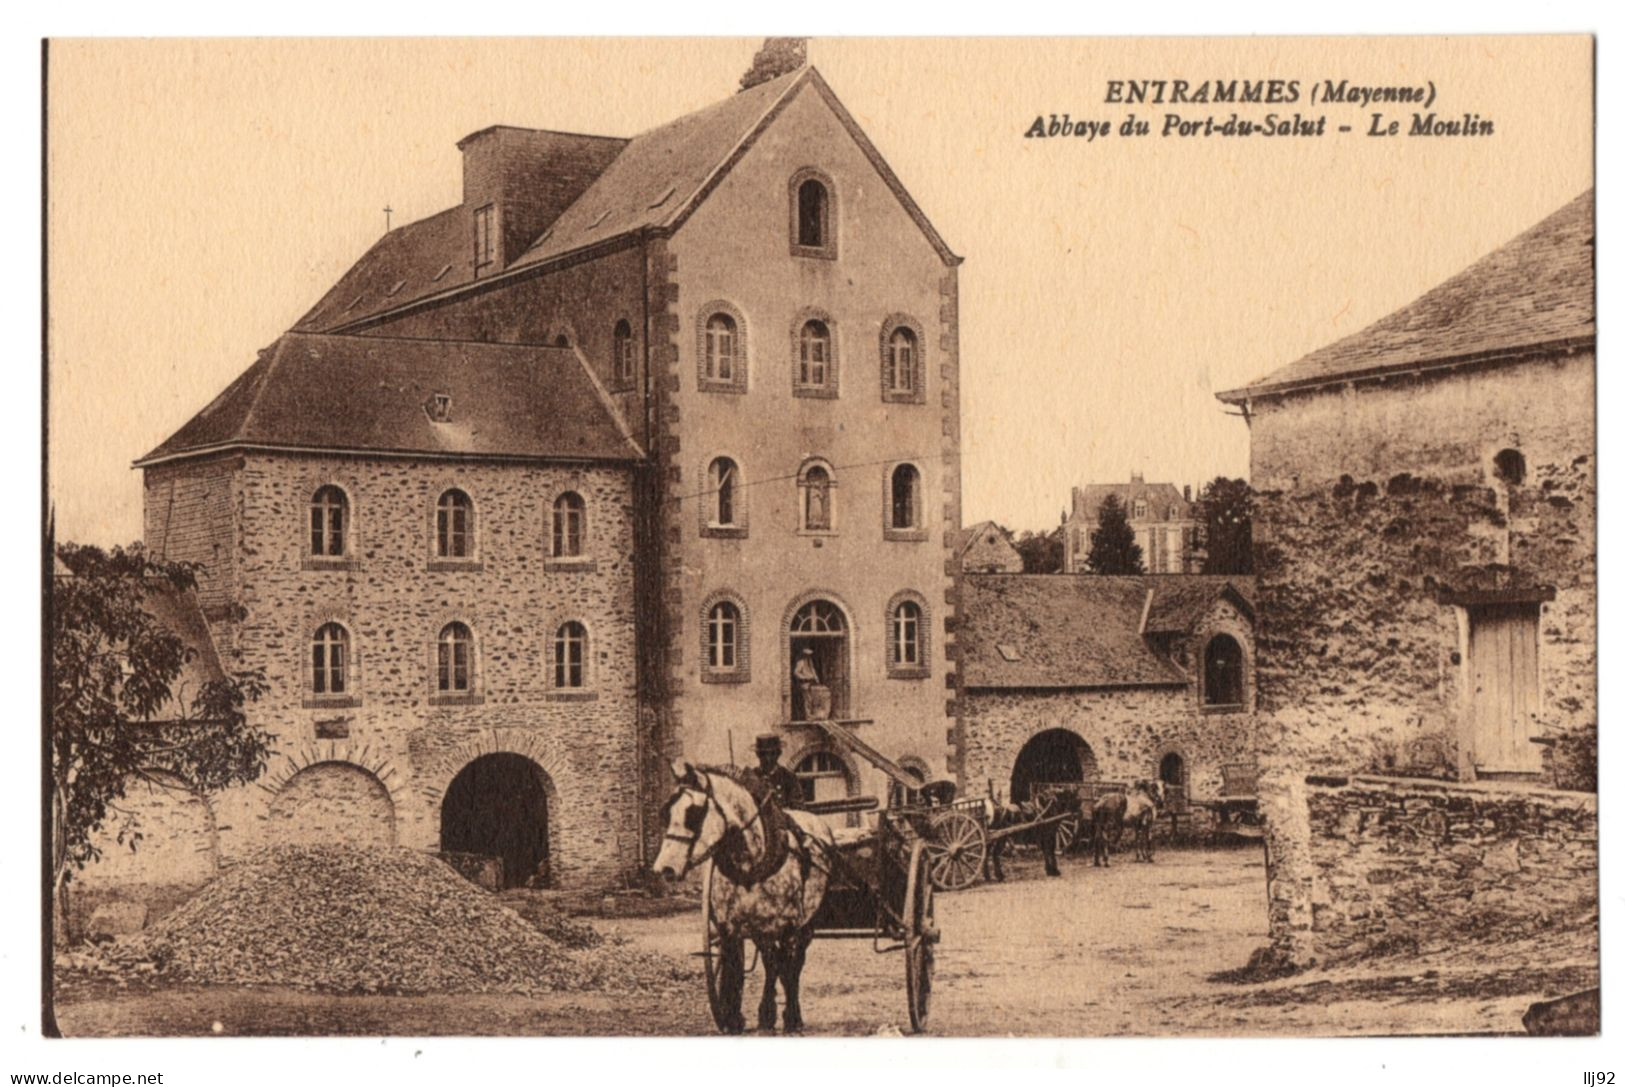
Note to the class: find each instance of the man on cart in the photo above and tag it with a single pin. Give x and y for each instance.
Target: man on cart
(785, 786)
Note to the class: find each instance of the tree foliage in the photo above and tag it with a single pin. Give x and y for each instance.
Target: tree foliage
(119, 713)
(1113, 549)
(776, 57)
(1041, 552)
(1226, 510)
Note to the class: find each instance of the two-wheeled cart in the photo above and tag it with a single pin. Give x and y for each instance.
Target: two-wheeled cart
(878, 891)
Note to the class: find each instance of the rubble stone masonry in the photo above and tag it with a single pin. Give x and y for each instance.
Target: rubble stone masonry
(1417, 867)
(376, 763)
(1379, 514)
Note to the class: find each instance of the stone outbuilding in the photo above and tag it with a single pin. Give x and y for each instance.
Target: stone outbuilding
(1069, 678)
(1425, 540)
(986, 548)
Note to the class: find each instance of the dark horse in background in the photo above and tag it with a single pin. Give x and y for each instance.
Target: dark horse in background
(1002, 816)
(1137, 809)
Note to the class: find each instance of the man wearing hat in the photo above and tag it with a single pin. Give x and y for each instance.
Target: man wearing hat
(785, 785)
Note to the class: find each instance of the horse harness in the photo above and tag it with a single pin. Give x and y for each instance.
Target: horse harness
(774, 825)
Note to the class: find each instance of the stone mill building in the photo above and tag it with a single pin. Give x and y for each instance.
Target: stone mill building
(561, 482)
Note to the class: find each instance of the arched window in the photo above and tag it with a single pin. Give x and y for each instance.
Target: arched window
(906, 642)
(823, 776)
(569, 524)
(812, 214)
(721, 347)
(570, 656)
(722, 637)
(814, 355)
(901, 372)
(818, 662)
(561, 340)
(454, 525)
(1171, 770)
(1222, 679)
(817, 499)
(905, 497)
(1510, 467)
(455, 659)
(723, 483)
(624, 366)
(330, 660)
(329, 522)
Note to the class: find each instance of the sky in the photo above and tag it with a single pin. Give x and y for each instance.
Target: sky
(205, 193)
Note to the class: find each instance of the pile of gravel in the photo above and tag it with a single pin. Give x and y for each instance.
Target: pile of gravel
(340, 919)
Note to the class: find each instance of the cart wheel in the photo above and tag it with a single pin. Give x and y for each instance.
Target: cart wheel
(1067, 833)
(955, 850)
(713, 947)
(919, 937)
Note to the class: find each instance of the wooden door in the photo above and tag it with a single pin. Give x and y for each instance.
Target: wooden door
(1504, 693)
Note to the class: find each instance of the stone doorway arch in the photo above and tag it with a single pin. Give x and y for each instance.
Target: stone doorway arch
(497, 806)
(1056, 754)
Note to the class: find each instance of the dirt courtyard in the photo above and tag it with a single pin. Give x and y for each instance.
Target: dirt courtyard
(1128, 950)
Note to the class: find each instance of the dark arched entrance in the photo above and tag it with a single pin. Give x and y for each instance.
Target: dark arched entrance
(1056, 754)
(497, 806)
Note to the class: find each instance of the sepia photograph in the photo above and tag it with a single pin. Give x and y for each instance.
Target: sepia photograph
(820, 536)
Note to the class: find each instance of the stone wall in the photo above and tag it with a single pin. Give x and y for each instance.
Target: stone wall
(142, 878)
(1128, 730)
(1417, 867)
(1378, 510)
(376, 762)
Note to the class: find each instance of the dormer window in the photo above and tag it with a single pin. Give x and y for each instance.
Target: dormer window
(484, 238)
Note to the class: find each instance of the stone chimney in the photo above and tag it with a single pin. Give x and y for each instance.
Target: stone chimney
(1187, 492)
(526, 177)
(1136, 477)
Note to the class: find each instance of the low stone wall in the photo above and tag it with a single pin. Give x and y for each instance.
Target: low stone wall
(1414, 866)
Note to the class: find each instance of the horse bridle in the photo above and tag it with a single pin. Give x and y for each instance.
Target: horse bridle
(691, 862)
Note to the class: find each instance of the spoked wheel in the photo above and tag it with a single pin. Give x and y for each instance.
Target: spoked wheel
(919, 937)
(1067, 833)
(955, 850)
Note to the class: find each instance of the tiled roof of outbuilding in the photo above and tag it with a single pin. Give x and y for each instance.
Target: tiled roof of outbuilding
(370, 394)
(1076, 631)
(1536, 292)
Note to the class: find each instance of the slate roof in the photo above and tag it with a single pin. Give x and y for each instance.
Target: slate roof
(655, 181)
(1070, 631)
(1159, 497)
(652, 181)
(369, 394)
(1179, 600)
(1535, 293)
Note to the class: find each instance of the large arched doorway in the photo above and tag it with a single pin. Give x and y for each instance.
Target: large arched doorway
(497, 807)
(819, 662)
(1055, 754)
